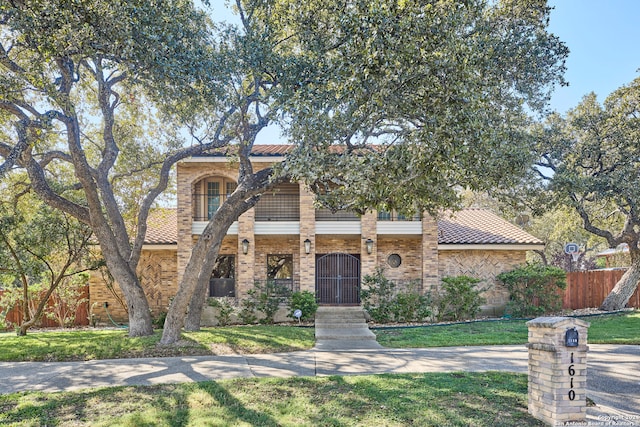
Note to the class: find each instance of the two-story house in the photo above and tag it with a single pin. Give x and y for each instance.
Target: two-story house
(287, 239)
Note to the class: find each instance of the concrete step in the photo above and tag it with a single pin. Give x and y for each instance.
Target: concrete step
(344, 334)
(343, 324)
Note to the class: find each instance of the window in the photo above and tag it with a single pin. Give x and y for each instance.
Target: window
(280, 270)
(209, 196)
(223, 277)
(394, 216)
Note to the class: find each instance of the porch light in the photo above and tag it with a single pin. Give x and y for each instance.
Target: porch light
(307, 246)
(369, 244)
(245, 246)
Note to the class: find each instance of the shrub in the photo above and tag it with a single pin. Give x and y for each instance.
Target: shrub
(304, 301)
(385, 304)
(377, 295)
(265, 299)
(534, 289)
(158, 321)
(247, 314)
(458, 298)
(224, 306)
(410, 306)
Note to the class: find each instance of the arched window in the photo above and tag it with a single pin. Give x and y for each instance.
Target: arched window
(209, 195)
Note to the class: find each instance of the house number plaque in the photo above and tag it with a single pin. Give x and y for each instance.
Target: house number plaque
(572, 372)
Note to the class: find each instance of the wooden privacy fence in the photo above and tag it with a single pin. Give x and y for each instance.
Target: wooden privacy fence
(587, 289)
(14, 315)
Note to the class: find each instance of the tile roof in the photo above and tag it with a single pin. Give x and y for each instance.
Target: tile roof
(259, 150)
(269, 150)
(480, 226)
(162, 227)
(468, 226)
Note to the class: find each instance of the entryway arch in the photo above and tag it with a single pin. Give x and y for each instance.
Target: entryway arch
(338, 279)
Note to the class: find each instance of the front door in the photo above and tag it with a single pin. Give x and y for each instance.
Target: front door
(338, 279)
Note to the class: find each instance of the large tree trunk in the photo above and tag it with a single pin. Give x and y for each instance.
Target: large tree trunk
(140, 322)
(626, 286)
(206, 248)
(196, 305)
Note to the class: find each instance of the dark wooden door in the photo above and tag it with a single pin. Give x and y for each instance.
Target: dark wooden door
(338, 279)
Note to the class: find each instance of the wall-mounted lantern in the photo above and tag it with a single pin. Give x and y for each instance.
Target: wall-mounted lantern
(245, 246)
(307, 246)
(369, 244)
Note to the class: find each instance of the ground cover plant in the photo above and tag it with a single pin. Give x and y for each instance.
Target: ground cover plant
(457, 399)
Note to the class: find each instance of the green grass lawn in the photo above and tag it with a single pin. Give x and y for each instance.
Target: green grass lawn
(89, 344)
(457, 399)
(608, 329)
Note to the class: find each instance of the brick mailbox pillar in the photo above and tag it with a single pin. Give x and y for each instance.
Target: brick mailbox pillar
(558, 369)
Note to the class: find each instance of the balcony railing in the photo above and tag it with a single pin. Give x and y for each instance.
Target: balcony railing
(271, 207)
(282, 288)
(327, 215)
(278, 207)
(205, 205)
(394, 216)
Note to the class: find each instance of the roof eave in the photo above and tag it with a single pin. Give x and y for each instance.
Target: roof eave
(490, 246)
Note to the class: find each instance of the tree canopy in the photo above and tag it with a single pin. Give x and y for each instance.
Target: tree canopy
(590, 161)
(441, 89)
(71, 74)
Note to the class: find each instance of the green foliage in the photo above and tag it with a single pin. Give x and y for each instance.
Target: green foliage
(247, 313)
(478, 66)
(263, 302)
(458, 298)
(427, 399)
(592, 160)
(385, 303)
(411, 306)
(377, 296)
(534, 289)
(304, 301)
(158, 321)
(224, 309)
(67, 298)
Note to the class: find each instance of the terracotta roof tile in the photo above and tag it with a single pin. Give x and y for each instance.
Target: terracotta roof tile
(269, 150)
(480, 226)
(162, 227)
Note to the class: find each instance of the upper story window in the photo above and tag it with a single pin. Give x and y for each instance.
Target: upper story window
(209, 195)
(394, 216)
(280, 204)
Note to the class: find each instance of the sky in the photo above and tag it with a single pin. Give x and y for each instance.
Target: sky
(602, 36)
(603, 40)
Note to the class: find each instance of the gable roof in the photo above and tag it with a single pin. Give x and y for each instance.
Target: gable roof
(470, 226)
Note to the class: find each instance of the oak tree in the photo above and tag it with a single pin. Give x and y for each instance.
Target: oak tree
(590, 161)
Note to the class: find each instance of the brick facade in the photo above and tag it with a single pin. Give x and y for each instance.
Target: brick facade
(421, 260)
(158, 276)
(484, 265)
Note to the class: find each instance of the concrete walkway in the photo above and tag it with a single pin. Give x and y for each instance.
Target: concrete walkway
(613, 370)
